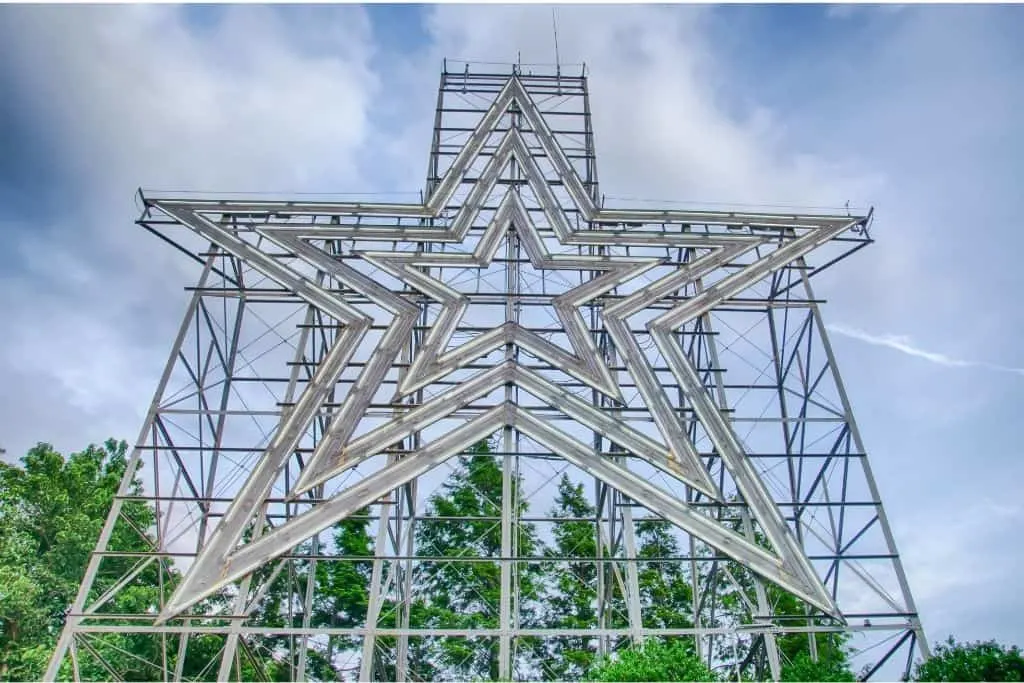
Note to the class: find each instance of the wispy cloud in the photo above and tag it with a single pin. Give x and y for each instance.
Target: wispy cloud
(903, 344)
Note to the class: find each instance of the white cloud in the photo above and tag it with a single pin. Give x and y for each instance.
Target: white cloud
(250, 103)
(904, 344)
(257, 103)
(138, 95)
(663, 126)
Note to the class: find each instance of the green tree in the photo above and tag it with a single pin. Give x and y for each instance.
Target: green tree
(832, 656)
(655, 660)
(665, 590)
(339, 600)
(979, 661)
(52, 509)
(800, 667)
(51, 513)
(572, 589)
(343, 587)
(466, 594)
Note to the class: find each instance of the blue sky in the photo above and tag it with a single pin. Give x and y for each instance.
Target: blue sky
(914, 110)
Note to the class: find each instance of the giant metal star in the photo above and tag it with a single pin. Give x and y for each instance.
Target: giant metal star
(221, 560)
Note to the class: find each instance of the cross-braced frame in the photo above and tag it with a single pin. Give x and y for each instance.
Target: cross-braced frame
(341, 365)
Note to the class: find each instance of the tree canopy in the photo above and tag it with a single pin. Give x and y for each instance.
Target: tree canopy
(51, 513)
(978, 661)
(52, 509)
(655, 660)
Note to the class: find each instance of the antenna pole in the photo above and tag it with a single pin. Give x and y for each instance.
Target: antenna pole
(554, 29)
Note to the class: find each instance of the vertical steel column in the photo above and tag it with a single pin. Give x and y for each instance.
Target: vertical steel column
(508, 491)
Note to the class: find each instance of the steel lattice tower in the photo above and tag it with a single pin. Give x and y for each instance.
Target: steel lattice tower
(336, 357)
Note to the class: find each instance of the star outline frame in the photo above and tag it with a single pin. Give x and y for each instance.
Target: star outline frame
(513, 146)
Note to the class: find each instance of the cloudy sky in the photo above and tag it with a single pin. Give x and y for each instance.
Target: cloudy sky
(912, 110)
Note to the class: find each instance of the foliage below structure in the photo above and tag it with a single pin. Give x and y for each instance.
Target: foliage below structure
(980, 661)
(655, 660)
(51, 512)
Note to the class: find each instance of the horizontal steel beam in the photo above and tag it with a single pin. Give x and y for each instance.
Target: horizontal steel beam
(752, 629)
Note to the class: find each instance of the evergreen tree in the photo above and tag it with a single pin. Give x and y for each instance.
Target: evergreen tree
(342, 589)
(800, 667)
(665, 590)
(832, 662)
(340, 598)
(571, 599)
(466, 594)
